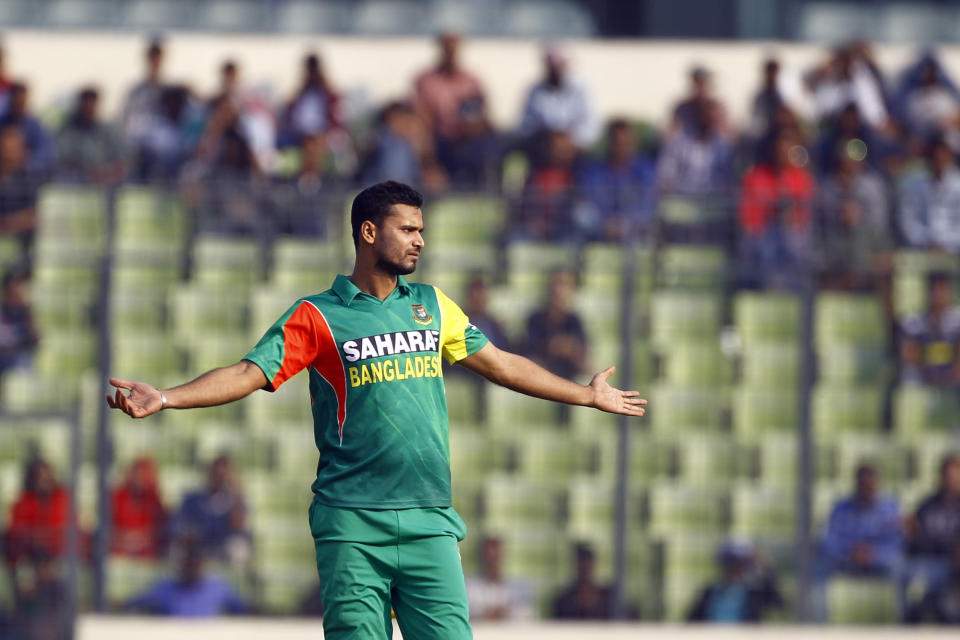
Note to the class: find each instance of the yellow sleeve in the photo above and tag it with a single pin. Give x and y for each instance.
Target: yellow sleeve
(458, 338)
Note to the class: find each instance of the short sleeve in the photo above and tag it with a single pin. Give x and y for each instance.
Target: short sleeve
(458, 338)
(289, 346)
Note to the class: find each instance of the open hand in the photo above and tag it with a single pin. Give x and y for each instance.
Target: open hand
(143, 400)
(612, 400)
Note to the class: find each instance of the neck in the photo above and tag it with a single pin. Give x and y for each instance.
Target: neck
(373, 280)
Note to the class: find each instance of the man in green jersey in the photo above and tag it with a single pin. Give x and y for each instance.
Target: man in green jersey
(385, 533)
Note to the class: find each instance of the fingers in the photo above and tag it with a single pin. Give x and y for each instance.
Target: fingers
(121, 384)
(606, 373)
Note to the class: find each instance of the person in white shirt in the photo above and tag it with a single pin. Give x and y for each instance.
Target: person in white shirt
(930, 202)
(493, 597)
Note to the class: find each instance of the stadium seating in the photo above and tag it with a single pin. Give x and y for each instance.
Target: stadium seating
(861, 601)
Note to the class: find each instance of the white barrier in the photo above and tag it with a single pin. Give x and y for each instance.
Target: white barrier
(124, 628)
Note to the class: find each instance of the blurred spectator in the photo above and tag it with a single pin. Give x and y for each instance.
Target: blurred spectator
(856, 242)
(38, 143)
(617, 193)
(745, 592)
(687, 114)
(555, 335)
(18, 333)
(930, 201)
(18, 188)
(927, 99)
(191, 593)
(139, 518)
(477, 310)
(216, 515)
(240, 113)
(40, 600)
(311, 605)
(303, 200)
(930, 342)
(87, 148)
(584, 599)
(163, 140)
(775, 219)
(941, 602)
(314, 109)
(862, 537)
(557, 103)
(142, 103)
(933, 532)
(5, 81)
(778, 91)
(847, 130)
(850, 76)
(40, 516)
(493, 597)
(403, 151)
(547, 201)
(697, 162)
(229, 84)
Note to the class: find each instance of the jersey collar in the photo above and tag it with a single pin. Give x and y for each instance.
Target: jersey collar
(347, 291)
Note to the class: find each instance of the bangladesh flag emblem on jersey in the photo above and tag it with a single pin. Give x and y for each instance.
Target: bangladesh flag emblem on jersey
(420, 315)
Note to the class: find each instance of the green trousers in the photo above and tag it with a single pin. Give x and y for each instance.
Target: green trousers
(406, 559)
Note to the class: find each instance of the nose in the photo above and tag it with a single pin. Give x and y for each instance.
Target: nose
(418, 241)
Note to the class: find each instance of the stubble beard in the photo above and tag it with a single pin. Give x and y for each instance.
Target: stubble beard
(395, 268)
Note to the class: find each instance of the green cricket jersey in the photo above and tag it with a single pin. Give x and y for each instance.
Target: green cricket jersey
(376, 386)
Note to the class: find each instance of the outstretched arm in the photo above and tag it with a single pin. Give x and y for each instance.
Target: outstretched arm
(218, 386)
(520, 374)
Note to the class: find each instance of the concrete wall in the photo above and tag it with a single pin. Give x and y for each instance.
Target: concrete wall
(639, 78)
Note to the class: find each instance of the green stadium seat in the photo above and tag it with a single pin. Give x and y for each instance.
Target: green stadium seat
(601, 314)
(177, 481)
(910, 273)
(464, 395)
(23, 438)
(305, 266)
(591, 508)
(471, 453)
(516, 167)
(296, 449)
(30, 391)
(603, 268)
(511, 501)
(197, 310)
(927, 454)
(920, 411)
(759, 512)
(758, 411)
(136, 309)
(531, 265)
(697, 364)
(146, 262)
(852, 364)
(250, 452)
(766, 317)
(290, 404)
(129, 577)
(890, 458)
(710, 460)
(149, 212)
(837, 409)
(66, 353)
(223, 261)
(779, 460)
(467, 502)
(513, 308)
(210, 350)
(770, 365)
(861, 601)
(688, 564)
(132, 440)
(674, 408)
(508, 410)
(677, 508)
(680, 316)
(71, 212)
(276, 497)
(147, 354)
(682, 210)
(267, 304)
(692, 267)
(465, 220)
(543, 452)
(826, 494)
(849, 318)
(11, 251)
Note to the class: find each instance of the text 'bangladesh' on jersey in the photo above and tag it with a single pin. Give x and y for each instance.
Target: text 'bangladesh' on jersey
(376, 385)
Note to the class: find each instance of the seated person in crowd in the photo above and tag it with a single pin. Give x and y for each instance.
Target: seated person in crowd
(191, 593)
(301, 201)
(476, 308)
(402, 149)
(38, 143)
(39, 518)
(933, 532)
(697, 163)
(555, 335)
(493, 597)
(930, 201)
(776, 244)
(930, 342)
(558, 103)
(314, 109)
(18, 189)
(928, 100)
(863, 537)
(162, 140)
(856, 243)
(139, 518)
(848, 128)
(18, 333)
(583, 599)
(745, 591)
(617, 193)
(687, 112)
(87, 148)
(142, 101)
(40, 601)
(547, 203)
(941, 602)
(215, 516)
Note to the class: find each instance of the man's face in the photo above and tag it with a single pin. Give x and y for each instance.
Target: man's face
(449, 47)
(492, 552)
(951, 477)
(13, 150)
(220, 474)
(867, 485)
(621, 142)
(941, 294)
(399, 240)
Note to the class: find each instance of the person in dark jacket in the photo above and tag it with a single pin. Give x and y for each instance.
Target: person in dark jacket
(745, 592)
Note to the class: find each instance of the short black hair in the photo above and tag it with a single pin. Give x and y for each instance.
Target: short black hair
(374, 202)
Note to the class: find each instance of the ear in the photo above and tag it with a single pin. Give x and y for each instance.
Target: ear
(368, 231)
